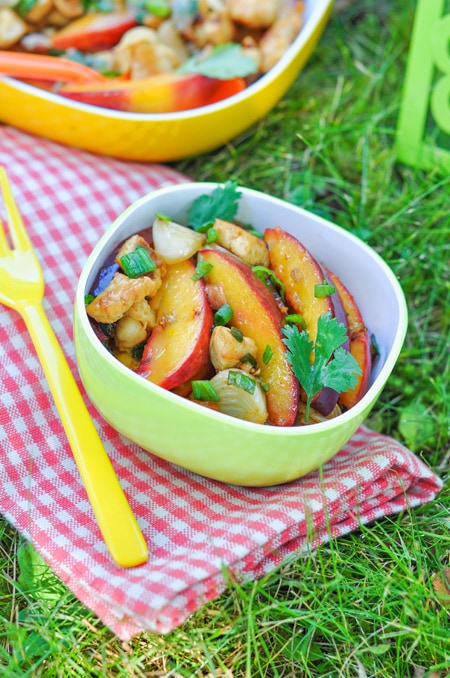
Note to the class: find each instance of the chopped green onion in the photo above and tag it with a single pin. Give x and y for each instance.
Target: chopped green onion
(242, 380)
(223, 315)
(237, 334)
(263, 273)
(268, 353)
(88, 298)
(323, 290)
(24, 6)
(138, 262)
(295, 319)
(211, 235)
(264, 385)
(202, 268)
(249, 358)
(202, 389)
(159, 8)
(163, 217)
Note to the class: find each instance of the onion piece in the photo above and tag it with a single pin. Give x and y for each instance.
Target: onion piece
(175, 242)
(238, 402)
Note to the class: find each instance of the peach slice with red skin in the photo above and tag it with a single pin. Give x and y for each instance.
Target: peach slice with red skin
(94, 32)
(162, 93)
(178, 347)
(256, 315)
(359, 343)
(299, 271)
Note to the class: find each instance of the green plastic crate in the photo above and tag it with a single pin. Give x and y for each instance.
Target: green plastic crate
(423, 132)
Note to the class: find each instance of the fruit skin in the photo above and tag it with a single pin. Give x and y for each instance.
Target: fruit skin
(94, 31)
(162, 93)
(295, 266)
(256, 315)
(178, 347)
(360, 344)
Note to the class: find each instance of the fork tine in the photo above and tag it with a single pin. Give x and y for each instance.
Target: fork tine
(17, 229)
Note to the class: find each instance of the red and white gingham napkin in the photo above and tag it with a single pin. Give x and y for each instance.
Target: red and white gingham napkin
(196, 528)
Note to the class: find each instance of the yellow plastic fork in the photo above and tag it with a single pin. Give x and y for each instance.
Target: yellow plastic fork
(22, 288)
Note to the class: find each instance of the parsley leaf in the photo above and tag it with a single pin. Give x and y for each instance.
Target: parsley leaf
(323, 363)
(224, 62)
(222, 203)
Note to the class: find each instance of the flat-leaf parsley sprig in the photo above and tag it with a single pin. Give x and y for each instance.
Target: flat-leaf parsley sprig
(323, 363)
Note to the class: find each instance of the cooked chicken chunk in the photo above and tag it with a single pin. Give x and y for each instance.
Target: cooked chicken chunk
(226, 351)
(242, 243)
(116, 299)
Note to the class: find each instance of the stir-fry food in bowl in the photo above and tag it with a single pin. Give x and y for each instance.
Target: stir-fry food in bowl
(249, 324)
(243, 341)
(148, 55)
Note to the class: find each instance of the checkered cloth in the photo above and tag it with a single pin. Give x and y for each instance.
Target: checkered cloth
(196, 528)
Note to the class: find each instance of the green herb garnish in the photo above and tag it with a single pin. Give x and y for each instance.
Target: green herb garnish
(268, 353)
(88, 298)
(211, 235)
(202, 389)
(242, 380)
(332, 366)
(295, 319)
(250, 359)
(163, 217)
(222, 203)
(202, 268)
(323, 290)
(224, 62)
(138, 262)
(265, 274)
(223, 315)
(237, 334)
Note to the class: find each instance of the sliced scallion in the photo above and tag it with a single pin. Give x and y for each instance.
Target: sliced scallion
(138, 262)
(265, 273)
(211, 235)
(249, 358)
(202, 269)
(237, 334)
(203, 390)
(242, 380)
(268, 353)
(295, 319)
(223, 315)
(323, 290)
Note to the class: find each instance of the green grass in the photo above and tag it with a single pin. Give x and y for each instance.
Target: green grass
(362, 605)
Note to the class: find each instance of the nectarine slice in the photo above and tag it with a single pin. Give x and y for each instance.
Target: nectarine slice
(256, 315)
(300, 272)
(178, 347)
(359, 343)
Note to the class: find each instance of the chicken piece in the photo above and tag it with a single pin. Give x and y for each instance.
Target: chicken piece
(216, 28)
(280, 36)
(225, 351)
(72, 9)
(140, 54)
(129, 333)
(12, 28)
(38, 11)
(242, 243)
(118, 297)
(143, 312)
(253, 13)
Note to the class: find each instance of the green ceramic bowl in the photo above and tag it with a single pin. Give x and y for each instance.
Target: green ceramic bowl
(210, 443)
